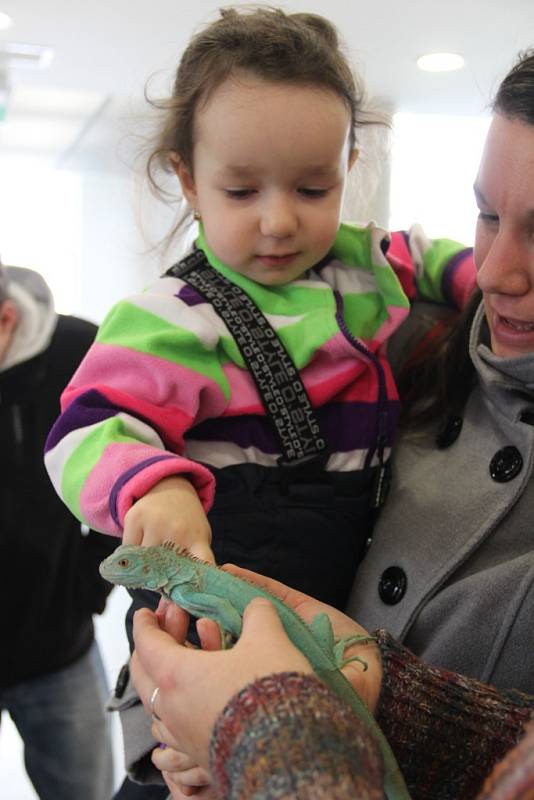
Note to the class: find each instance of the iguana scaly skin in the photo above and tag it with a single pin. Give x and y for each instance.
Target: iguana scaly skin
(204, 590)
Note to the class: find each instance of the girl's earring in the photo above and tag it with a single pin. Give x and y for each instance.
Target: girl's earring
(196, 215)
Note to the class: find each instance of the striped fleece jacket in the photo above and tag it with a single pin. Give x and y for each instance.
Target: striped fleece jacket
(164, 390)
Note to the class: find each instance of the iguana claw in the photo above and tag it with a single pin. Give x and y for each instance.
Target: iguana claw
(342, 644)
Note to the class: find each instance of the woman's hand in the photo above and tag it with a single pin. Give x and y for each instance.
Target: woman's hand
(183, 776)
(252, 657)
(195, 685)
(170, 511)
(367, 682)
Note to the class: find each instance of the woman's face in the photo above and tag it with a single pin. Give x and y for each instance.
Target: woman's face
(504, 244)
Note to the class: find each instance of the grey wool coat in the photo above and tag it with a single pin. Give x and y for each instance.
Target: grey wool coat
(450, 570)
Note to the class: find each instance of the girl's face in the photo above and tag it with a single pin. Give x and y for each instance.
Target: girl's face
(504, 245)
(269, 167)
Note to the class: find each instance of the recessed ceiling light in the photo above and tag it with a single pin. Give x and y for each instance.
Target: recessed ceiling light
(440, 62)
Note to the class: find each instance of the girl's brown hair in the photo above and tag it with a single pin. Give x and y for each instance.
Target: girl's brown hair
(301, 49)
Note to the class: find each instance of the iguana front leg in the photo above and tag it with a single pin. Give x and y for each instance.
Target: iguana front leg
(321, 628)
(342, 644)
(218, 609)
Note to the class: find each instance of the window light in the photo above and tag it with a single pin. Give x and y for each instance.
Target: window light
(5, 21)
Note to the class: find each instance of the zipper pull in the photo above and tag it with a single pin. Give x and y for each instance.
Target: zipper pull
(382, 478)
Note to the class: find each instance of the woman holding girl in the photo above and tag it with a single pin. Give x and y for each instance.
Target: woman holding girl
(471, 573)
(244, 407)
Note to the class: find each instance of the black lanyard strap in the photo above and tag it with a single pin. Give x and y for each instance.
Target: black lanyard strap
(277, 379)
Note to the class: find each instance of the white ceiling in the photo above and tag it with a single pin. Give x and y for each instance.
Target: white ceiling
(105, 50)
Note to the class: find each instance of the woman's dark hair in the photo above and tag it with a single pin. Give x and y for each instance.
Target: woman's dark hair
(436, 381)
(435, 386)
(515, 95)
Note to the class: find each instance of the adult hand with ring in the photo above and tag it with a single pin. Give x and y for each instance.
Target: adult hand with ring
(195, 685)
(183, 776)
(175, 622)
(159, 731)
(151, 704)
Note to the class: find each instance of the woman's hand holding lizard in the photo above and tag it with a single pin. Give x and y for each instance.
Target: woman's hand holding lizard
(183, 776)
(195, 685)
(366, 683)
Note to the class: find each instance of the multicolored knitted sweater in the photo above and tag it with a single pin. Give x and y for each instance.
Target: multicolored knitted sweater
(164, 390)
(287, 736)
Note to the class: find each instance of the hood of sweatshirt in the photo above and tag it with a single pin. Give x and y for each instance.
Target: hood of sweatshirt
(37, 316)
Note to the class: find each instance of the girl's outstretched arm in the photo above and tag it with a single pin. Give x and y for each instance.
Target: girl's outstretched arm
(152, 374)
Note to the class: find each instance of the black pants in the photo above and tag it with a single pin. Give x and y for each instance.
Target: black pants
(137, 791)
(308, 531)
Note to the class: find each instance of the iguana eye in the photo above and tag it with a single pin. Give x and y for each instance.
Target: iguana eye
(123, 562)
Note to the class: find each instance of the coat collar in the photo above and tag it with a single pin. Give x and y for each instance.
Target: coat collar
(508, 382)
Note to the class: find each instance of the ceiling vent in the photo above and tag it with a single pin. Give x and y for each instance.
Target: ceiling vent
(17, 56)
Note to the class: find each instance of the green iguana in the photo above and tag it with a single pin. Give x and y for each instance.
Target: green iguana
(204, 590)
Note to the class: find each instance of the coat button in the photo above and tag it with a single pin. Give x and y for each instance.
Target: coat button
(392, 585)
(506, 464)
(449, 433)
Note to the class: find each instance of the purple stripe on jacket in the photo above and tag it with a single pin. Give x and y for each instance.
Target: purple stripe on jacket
(87, 409)
(125, 477)
(345, 426)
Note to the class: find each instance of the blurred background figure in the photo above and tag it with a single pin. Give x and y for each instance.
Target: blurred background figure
(52, 682)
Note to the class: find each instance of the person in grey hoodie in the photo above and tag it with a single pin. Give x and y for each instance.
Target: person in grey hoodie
(450, 568)
(52, 682)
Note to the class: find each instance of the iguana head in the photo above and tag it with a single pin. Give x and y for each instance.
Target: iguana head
(138, 567)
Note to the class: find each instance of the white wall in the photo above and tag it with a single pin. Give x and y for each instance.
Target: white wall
(82, 231)
(434, 164)
(40, 222)
(112, 262)
(367, 196)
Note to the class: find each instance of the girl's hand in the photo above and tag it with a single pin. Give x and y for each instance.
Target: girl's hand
(195, 685)
(366, 683)
(182, 775)
(170, 511)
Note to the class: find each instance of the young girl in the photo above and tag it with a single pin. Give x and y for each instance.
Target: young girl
(163, 433)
